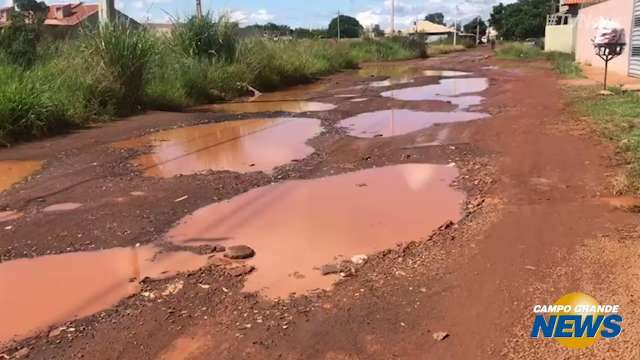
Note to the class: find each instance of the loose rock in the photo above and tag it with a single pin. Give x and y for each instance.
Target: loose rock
(329, 269)
(239, 252)
(440, 335)
(241, 270)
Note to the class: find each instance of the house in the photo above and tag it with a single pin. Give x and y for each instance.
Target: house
(63, 20)
(160, 28)
(561, 27)
(624, 12)
(432, 31)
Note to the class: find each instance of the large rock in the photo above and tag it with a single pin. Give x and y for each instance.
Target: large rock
(239, 252)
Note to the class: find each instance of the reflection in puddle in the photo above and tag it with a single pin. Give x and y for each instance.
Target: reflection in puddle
(302, 92)
(396, 74)
(10, 215)
(359, 100)
(62, 207)
(13, 171)
(448, 90)
(242, 145)
(298, 226)
(37, 293)
(267, 106)
(444, 73)
(400, 122)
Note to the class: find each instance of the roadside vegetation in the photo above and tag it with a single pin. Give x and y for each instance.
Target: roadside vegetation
(562, 63)
(117, 70)
(618, 118)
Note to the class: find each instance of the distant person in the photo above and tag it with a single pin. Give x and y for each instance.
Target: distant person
(493, 43)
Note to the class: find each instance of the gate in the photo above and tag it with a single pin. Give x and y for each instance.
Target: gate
(634, 61)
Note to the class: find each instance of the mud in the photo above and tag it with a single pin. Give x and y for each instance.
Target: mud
(40, 292)
(243, 146)
(397, 122)
(13, 171)
(259, 106)
(298, 226)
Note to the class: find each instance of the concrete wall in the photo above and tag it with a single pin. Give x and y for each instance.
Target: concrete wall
(619, 11)
(560, 38)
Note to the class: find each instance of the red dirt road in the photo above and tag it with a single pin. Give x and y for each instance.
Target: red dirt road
(534, 228)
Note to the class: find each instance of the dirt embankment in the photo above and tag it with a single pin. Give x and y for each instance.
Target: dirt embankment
(534, 228)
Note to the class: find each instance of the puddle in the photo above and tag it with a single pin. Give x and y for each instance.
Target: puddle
(359, 100)
(396, 74)
(444, 73)
(298, 226)
(301, 92)
(62, 207)
(40, 292)
(242, 145)
(401, 121)
(13, 171)
(10, 215)
(448, 90)
(291, 106)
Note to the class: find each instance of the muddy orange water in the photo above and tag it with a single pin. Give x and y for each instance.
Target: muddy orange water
(301, 92)
(243, 145)
(448, 90)
(259, 106)
(297, 226)
(13, 171)
(401, 121)
(40, 292)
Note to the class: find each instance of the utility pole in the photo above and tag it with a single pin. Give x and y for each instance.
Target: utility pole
(106, 11)
(478, 31)
(393, 17)
(199, 9)
(338, 25)
(455, 28)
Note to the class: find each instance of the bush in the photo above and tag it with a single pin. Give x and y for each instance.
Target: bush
(516, 50)
(564, 64)
(206, 38)
(123, 54)
(28, 108)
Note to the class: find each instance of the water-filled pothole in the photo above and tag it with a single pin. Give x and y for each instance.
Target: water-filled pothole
(298, 226)
(445, 73)
(13, 171)
(243, 146)
(401, 121)
(448, 90)
(62, 207)
(40, 292)
(259, 106)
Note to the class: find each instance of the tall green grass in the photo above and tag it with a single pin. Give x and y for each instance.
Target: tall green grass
(562, 63)
(116, 70)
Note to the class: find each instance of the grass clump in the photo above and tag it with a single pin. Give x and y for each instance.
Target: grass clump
(562, 63)
(618, 118)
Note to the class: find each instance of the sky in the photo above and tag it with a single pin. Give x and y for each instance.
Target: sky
(305, 13)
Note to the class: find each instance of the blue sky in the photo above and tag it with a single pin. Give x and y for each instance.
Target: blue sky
(306, 13)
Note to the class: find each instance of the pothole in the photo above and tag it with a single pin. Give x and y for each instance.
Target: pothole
(40, 292)
(298, 226)
(243, 146)
(401, 121)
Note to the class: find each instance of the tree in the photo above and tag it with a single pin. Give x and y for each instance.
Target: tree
(521, 20)
(471, 27)
(349, 27)
(436, 18)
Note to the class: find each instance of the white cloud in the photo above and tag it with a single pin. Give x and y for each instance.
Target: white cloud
(408, 11)
(258, 17)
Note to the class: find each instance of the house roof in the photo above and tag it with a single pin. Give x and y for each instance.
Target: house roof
(78, 13)
(427, 27)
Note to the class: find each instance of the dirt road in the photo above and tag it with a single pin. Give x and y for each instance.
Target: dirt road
(535, 225)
